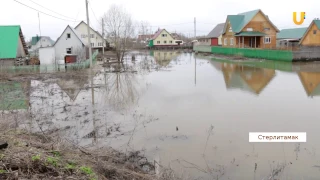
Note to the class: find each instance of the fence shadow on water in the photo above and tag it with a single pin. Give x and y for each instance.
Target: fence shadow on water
(49, 68)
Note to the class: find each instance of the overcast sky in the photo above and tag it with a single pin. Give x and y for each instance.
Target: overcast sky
(163, 14)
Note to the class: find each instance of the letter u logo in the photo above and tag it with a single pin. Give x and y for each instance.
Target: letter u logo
(302, 17)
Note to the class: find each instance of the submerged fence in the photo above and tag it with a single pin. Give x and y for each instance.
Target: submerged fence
(279, 55)
(49, 68)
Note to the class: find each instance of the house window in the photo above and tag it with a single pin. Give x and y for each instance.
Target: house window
(158, 42)
(164, 35)
(314, 31)
(266, 29)
(230, 29)
(170, 42)
(92, 44)
(207, 40)
(92, 35)
(68, 35)
(231, 41)
(164, 42)
(267, 40)
(69, 51)
(249, 29)
(225, 41)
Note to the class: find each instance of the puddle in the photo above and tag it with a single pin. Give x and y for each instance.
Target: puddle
(192, 114)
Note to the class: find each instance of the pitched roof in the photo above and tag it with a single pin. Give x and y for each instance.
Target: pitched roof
(294, 33)
(74, 31)
(35, 39)
(157, 33)
(9, 38)
(317, 22)
(250, 33)
(216, 31)
(238, 22)
(90, 28)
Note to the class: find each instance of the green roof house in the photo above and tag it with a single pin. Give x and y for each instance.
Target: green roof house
(252, 29)
(12, 44)
(289, 38)
(41, 41)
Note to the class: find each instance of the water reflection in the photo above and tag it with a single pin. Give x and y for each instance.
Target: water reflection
(14, 95)
(310, 82)
(134, 104)
(246, 78)
(163, 58)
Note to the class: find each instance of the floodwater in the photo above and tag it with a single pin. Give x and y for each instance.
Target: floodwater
(190, 113)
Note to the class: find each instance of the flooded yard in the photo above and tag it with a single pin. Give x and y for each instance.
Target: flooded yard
(185, 111)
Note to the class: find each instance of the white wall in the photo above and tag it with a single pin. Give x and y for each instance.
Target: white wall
(83, 32)
(220, 40)
(20, 50)
(47, 55)
(63, 43)
(43, 42)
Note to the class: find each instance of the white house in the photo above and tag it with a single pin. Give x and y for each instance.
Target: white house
(68, 43)
(97, 40)
(40, 41)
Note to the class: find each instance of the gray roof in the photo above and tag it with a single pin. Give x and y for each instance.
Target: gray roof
(217, 31)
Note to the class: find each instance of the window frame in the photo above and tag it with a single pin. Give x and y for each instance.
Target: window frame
(225, 41)
(69, 49)
(68, 35)
(267, 42)
(314, 31)
(231, 41)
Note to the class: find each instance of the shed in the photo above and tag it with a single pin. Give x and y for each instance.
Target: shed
(12, 44)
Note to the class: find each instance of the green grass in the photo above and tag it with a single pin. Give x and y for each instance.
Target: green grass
(88, 171)
(53, 161)
(35, 158)
(2, 171)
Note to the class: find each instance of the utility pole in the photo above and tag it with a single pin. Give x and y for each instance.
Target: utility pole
(195, 36)
(103, 41)
(89, 37)
(39, 30)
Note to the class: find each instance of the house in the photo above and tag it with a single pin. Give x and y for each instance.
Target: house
(12, 45)
(97, 40)
(251, 29)
(143, 38)
(67, 44)
(214, 37)
(163, 38)
(312, 35)
(290, 37)
(40, 41)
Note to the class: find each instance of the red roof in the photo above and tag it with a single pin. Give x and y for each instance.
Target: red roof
(145, 36)
(157, 33)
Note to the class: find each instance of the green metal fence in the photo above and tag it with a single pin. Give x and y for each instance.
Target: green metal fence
(202, 48)
(279, 55)
(49, 68)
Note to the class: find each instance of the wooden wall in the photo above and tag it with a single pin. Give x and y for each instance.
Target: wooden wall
(312, 39)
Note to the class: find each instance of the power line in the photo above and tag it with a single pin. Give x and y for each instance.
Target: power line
(93, 13)
(43, 12)
(51, 10)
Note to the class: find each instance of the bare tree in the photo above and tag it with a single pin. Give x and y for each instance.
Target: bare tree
(144, 29)
(119, 29)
